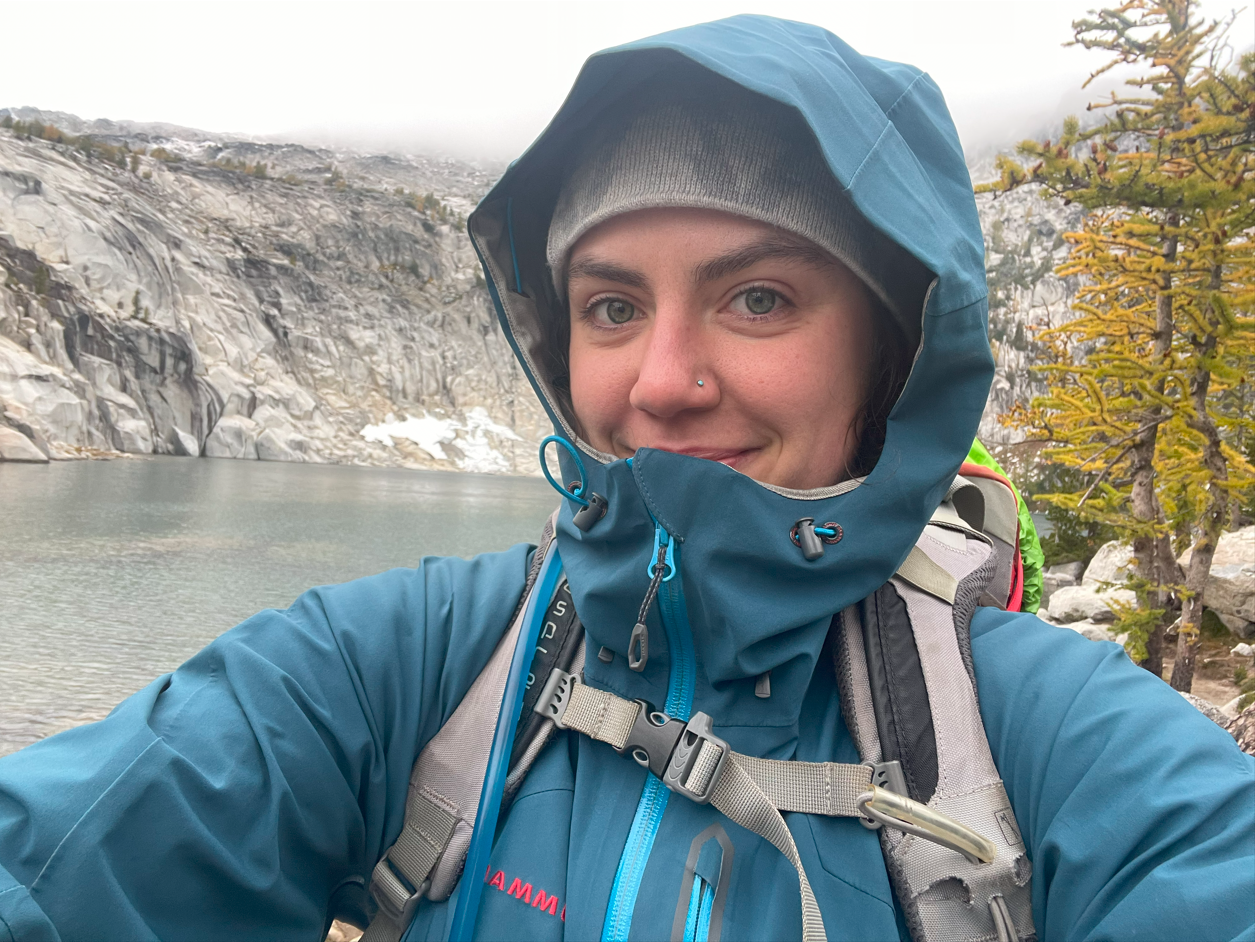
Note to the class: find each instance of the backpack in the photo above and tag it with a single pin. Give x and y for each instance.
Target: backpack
(903, 660)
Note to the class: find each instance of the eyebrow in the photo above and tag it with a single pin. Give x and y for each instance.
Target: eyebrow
(606, 271)
(772, 247)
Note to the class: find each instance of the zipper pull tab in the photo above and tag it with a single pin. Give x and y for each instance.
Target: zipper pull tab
(661, 569)
(638, 647)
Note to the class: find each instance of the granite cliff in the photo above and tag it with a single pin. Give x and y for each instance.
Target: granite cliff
(168, 292)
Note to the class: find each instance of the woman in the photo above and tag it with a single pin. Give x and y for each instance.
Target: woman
(744, 271)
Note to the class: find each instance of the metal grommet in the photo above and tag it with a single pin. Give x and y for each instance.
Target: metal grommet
(837, 533)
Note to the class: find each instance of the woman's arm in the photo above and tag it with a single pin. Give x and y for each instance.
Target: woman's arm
(1138, 811)
(238, 795)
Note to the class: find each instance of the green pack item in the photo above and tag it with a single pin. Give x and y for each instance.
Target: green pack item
(1030, 547)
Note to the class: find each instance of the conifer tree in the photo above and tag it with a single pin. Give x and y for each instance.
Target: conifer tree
(1141, 383)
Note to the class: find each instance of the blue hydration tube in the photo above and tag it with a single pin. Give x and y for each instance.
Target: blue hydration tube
(464, 916)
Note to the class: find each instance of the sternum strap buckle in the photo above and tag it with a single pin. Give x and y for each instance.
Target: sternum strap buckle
(688, 757)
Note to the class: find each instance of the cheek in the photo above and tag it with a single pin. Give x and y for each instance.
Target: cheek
(811, 381)
(601, 383)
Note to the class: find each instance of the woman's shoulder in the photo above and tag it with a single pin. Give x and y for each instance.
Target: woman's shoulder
(1132, 802)
(1036, 680)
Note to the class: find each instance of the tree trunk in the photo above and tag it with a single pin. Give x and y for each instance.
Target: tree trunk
(1151, 545)
(1214, 518)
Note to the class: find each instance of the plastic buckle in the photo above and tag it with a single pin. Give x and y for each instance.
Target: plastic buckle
(653, 738)
(684, 761)
(889, 775)
(380, 892)
(555, 696)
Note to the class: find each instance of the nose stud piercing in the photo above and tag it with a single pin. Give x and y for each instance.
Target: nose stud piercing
(701, 383)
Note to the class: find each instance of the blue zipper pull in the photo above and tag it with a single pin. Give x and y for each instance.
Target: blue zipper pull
(661, 539)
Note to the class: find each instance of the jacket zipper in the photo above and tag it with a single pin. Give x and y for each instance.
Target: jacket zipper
(653, 801)
(697, 921)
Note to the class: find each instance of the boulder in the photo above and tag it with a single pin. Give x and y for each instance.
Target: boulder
(1094, 631)
(1079, 603)
(185, 443)
(1242, 650)
(1208, 709)
(1073, 570)
(1110, 565)
(1231, 585)
(1237, 624)
(1059, 577)
(14, 446)
(1231, 709)
(1230, 591)
(1243, 730)
(282, 445)
(233, 437)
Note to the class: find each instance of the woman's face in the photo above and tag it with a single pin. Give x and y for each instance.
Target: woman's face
(711, 335)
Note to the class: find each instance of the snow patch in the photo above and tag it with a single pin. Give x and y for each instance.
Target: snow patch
(469, 445)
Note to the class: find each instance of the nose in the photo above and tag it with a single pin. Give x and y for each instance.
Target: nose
(673, 362)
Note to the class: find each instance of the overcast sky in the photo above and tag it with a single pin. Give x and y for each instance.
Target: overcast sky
(480, 79)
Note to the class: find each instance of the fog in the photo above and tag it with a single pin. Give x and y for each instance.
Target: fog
(481, 79)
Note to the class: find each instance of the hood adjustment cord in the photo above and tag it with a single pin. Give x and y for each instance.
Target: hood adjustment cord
(810, 539)
(661, 570)
(594, 506)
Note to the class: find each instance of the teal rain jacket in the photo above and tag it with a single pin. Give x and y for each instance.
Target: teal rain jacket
(249, 794)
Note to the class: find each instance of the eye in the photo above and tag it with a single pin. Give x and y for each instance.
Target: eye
(756, 301)
(614, 310)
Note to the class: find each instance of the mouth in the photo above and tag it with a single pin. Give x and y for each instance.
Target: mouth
(732, 457)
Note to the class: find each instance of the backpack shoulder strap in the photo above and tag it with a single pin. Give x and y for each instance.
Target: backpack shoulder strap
(448, 775)
(908, 691)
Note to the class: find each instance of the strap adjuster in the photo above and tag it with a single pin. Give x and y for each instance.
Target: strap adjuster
(555, 696)
(697, 762)
(393, 894)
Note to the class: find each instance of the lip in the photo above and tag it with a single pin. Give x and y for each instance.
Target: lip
(732, 457)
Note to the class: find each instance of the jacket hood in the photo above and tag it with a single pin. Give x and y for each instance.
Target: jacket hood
(753, 602)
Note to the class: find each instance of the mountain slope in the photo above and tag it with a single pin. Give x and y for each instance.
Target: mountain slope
(245, 299)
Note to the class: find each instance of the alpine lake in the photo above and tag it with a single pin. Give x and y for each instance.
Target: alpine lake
(114, 572)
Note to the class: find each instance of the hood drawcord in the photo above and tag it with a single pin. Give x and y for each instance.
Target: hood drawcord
(594, 506)
(810, 539)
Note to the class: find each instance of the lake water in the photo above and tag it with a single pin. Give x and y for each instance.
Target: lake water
(112, 572)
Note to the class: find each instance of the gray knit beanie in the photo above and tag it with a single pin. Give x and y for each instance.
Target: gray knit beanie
(736, 152)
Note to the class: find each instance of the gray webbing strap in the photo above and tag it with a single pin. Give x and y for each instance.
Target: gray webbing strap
(601, 715)
(422, 840)
(920, 571)
(737, 796)
(827, 788)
